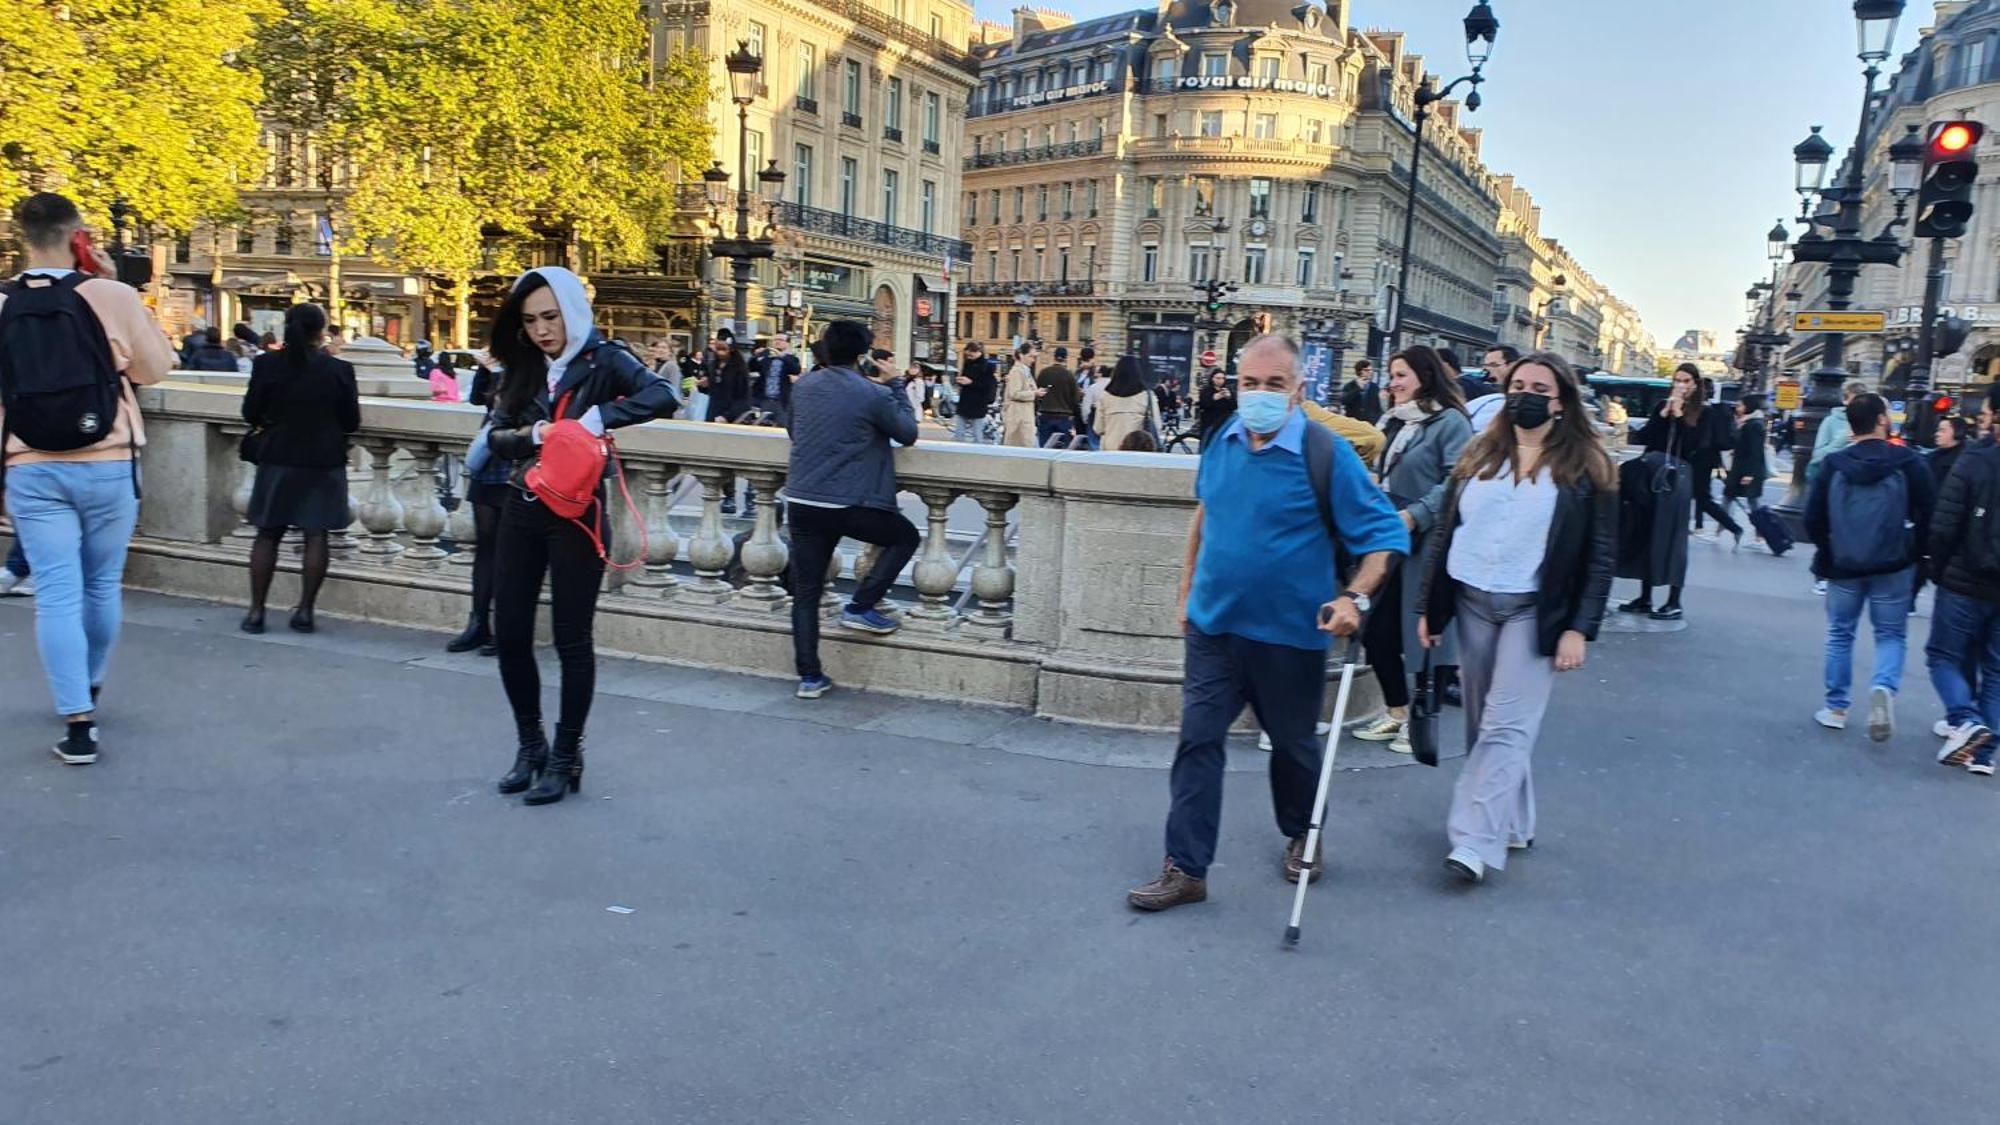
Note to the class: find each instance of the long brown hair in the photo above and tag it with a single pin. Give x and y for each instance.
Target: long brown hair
(1692, 405)
(1436, 384)
(1570, 453)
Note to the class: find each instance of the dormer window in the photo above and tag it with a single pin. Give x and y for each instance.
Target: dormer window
(1222, 13)
(1311, 19)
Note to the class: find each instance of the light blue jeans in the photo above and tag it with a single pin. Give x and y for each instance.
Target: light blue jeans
(75, 519)
(1887, 599)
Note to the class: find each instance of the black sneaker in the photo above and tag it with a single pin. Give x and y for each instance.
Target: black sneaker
(79, 746)
(1636, 605)
(1982, 760)
(1666, 613)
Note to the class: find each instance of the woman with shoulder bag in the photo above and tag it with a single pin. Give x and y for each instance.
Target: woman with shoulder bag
(1125, 406)
(1674, 439)
(1424, 430)
(1522, 561)
(555, 367)
(301, 406)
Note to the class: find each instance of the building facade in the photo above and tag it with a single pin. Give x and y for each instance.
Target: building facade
(863, 108)
(1952, 72)
(1118, 166)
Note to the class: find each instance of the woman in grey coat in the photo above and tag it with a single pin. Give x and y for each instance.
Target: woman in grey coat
(1425, 429)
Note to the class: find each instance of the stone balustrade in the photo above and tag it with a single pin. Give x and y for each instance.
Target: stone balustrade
(1065, 603)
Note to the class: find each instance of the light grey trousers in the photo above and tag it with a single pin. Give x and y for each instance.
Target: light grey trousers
(1506, 685)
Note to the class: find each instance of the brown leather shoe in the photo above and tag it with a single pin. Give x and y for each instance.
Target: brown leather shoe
(1173, 888)
(1295, 854)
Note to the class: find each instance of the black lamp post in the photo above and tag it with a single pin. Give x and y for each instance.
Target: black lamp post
(1480, 29)
(742, 250)
(1549, 308)
(1844, 250)
(1770, 335)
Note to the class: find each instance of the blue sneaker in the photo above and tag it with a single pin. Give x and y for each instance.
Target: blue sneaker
(812, 687)
(869, 621)
(1982, 760)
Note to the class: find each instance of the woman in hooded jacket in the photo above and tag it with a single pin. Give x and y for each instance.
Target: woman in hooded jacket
(1125, 407)
(555, 366)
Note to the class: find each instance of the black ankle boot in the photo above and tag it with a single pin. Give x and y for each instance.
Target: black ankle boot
(529, 759)
(476, 635)
(563, 774)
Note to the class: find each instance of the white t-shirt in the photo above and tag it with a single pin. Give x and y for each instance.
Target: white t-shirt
(1503, 533)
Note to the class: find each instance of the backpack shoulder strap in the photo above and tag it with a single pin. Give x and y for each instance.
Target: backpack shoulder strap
(1319, 467)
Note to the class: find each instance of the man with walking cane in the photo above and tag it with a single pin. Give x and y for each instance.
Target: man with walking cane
(1281, 501)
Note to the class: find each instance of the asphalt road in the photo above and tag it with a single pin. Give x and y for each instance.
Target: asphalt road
(288, 894)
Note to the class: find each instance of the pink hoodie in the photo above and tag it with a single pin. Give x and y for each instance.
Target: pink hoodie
(444, 388)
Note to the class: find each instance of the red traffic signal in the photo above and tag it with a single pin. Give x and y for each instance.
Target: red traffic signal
(1944, 199)
(1941, 405)
(1956, 137)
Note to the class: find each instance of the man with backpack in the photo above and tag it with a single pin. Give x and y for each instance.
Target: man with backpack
(72, 345)
(1965, 624)
(1281, 500)
(1866, 514)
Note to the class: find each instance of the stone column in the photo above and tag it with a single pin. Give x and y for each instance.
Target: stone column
(935, 571)
(764, 555)
(381, 512)
(239, 499)
(662, 546)
(993, 579)
(464, 530)
(711, 547)
(423, 516)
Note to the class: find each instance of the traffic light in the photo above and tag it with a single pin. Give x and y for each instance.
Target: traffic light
(1948, 335)
(1944, 201)
(1941, 405)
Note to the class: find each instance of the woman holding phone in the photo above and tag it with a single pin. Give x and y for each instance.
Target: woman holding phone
(1675, 438)
(1521, 560)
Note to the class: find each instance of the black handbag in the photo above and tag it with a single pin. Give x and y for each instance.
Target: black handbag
(251, 448)
(1424, 707)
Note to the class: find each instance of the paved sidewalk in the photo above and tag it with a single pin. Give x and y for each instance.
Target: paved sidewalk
(288, 894)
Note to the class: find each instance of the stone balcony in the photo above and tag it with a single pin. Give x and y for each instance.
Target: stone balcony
(1050, 587)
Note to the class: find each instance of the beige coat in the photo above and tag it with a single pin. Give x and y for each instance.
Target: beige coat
(1118, 417)
(1017, 413)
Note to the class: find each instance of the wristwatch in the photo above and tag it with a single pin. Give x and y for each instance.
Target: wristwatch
(1362, 601)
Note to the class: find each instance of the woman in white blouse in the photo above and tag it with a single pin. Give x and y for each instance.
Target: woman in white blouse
(1522, 562)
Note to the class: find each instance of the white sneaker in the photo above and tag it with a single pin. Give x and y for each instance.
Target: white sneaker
(1385, 729)
(1881, 714)
(1830, 718)
(16, 586)
(1264, 738)
(1819, 586)
(1942, 728)
(1401, 743)
(1466, 864)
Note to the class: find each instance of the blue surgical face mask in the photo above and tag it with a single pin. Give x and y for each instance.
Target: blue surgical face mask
(1264, 412)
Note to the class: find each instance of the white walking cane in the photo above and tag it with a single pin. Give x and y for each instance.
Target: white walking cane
(1347, 663)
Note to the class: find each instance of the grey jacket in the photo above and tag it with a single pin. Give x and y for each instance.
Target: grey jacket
(841, 427)
(1416, 481)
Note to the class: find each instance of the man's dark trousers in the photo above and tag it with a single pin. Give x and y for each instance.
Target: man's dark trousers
(816, 532)
(1284, 687)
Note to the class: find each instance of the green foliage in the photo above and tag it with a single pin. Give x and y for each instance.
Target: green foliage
(131, 99)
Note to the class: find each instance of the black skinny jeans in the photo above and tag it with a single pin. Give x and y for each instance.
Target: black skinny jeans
(485, 559)
(1382, 637)
(815, 534)
(533, 542)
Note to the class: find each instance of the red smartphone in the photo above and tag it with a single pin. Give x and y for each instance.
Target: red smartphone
(85, 252)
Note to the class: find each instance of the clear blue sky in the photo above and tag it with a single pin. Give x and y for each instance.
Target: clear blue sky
(1656, 136)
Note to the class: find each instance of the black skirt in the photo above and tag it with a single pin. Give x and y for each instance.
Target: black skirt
(308, 499)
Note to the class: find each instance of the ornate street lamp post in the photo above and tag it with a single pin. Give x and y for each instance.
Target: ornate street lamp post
(1480, 29)
(742, 250)
(1844, 251)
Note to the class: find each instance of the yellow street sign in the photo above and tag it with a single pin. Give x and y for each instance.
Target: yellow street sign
(1788, 394)
(1840, 322)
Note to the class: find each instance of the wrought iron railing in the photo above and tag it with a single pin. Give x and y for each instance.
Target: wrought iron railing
(821, 221)
(851, 120)
(1068, 150)
(1032, 288)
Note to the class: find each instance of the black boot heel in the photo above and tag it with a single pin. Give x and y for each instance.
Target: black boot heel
(563, 773)
(476, 635)
(529, 759)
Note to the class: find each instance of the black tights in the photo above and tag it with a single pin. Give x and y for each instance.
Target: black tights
(534, 542)
(486, 545)
(1382, 635)
(264, 563)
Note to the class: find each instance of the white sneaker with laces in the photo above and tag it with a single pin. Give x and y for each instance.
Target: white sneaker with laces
(1881, 714)
(1830, 718)
(16, 586)
(1385, 729)
(1942, 728)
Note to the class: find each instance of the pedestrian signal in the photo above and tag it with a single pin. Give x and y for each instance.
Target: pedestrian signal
(1944, 201)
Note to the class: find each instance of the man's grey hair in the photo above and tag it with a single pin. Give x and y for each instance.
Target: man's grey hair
(1280, 343)
(1852, 388)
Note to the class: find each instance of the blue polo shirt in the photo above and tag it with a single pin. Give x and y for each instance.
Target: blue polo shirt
(1266, 564)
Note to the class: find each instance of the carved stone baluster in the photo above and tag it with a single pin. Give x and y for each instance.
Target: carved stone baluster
(381, 512)
(464, 530)
(993, 579)
(935, 571)
(662, 546)
(864, 561)
(764, 555)
(239, 498)
(423, 516)
(711, 548)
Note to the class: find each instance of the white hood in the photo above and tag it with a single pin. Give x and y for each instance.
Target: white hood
(574, 301)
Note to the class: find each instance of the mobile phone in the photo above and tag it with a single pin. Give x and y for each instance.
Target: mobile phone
(84, 251)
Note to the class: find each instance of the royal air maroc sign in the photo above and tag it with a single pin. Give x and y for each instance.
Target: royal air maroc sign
(1044, 97)
(1246, 82)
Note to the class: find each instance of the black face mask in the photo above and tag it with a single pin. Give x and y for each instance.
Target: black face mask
(1528, 411)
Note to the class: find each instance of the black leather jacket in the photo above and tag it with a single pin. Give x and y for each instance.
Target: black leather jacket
(1577, 564)
(603, 375)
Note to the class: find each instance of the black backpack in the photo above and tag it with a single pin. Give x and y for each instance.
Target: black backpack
(58, 382)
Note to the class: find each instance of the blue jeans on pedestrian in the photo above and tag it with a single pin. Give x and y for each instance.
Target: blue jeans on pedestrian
(1887, 599)
(1049, 425)
(17, 560)
(967, 428)
(75, 519)
(1284, 686)
(1965, 633)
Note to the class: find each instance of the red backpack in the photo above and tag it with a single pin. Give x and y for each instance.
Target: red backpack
(566, 476)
